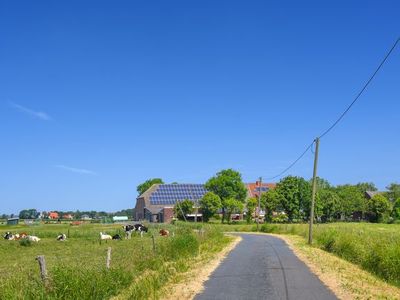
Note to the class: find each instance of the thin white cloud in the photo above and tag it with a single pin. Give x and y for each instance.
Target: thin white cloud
(76, 170)
(36, 114)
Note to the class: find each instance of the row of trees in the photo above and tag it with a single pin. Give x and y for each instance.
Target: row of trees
(34, 214)
(290, 201)
(292, 196)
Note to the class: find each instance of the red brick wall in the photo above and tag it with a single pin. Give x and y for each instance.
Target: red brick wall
(168, 214)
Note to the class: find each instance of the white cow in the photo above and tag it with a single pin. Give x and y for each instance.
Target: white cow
(33, 238)
(105, 236)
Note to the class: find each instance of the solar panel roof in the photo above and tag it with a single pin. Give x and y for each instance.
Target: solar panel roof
(169, 194)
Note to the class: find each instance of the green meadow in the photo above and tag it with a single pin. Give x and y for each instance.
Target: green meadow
(77, 267)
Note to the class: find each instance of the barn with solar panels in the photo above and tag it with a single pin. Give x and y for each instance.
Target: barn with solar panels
(157, 203)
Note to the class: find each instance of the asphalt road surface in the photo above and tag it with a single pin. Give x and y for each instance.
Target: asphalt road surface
(263, 267)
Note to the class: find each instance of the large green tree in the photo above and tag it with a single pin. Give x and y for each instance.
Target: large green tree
(351, 200)
(209, 205)
(141, 188)
(330, 204)
(378, 208)
(182, 208)
(396, 209)
(295, 197)
(251, 205)
(393, 192)
(233, 205)
(227, 184)
(272, 201)
(29, 214)
(366, 186)
(322, 184)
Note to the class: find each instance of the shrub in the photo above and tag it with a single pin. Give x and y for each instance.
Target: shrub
(25, 242)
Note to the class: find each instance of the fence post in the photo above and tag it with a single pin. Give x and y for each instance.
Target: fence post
(68, 233)
(154, 243)
(42, 266)
(108, 261)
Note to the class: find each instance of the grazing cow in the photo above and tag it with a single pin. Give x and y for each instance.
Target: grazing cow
(128, 230)
(131, 228)
(116, 237)
(164, 232)
(33, 238)
(105, 236)
(9, 236)
(140, 227)
(61, 237)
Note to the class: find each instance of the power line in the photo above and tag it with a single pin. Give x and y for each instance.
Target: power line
(293, 163)
(361, 92)
(343, 114)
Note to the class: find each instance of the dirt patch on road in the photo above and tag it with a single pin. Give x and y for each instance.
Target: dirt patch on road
(192, 283)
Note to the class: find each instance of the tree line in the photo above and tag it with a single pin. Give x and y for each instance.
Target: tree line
(77, 215)
(290, 201)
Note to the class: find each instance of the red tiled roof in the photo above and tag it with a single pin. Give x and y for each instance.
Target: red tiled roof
(251, 188)
(53, 215)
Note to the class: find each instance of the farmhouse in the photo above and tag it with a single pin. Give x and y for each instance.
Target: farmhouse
(157, 203)
(54, 215)
(85, 217)
(254, 188)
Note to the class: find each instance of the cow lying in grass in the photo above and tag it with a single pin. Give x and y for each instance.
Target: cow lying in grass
(33, 238)
(164, 232)
(131, 228)
(14, 237)
(116, 237)
(9, 236)
(105, 236)
(61, 237)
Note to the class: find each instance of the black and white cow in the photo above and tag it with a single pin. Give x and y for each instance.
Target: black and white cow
(131, 228)
(128, 230)
(61, 237)
(140, 228)
(9, 236)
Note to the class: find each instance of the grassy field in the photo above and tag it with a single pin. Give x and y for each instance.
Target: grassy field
(374, 247)
(77, 268)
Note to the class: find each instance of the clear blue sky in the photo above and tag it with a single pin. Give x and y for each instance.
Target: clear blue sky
(97, 97)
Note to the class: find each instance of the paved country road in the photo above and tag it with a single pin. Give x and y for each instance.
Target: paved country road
(263, 267)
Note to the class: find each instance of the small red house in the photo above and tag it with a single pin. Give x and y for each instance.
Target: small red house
(54, 215)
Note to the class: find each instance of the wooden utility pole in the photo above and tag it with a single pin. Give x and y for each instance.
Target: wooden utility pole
(314, 190)
(259, 203)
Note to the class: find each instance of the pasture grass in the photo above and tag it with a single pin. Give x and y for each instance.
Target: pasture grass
(77, 267)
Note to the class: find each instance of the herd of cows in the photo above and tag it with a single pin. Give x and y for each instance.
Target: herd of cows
(128, 229)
